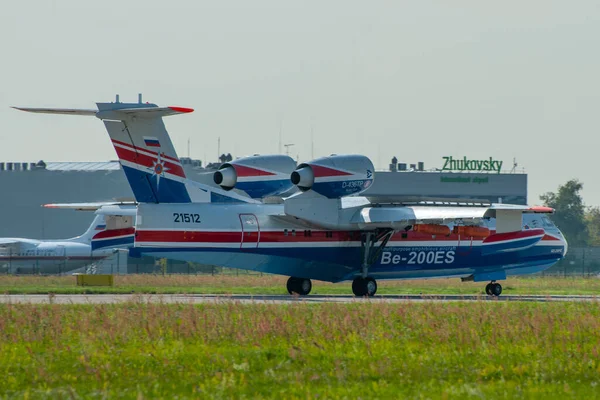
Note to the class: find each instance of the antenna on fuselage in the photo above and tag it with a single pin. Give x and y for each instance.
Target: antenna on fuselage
(287, 148)
(280, 134)
(312, 142)
(218, 147)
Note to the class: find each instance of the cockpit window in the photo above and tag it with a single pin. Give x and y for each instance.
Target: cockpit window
(546, 221)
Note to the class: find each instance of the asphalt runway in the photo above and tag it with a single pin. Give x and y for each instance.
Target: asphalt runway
(268, 299)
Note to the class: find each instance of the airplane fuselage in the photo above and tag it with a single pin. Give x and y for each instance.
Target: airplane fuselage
(34, 256)
(261, 237)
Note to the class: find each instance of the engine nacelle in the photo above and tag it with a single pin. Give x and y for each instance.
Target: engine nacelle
(258, 176)
(335, 176)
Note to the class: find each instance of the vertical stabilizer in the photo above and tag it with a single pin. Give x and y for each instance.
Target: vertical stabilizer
(98, 225)
(145, 150)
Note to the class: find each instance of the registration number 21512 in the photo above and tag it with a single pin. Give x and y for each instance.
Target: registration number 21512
(186, 218)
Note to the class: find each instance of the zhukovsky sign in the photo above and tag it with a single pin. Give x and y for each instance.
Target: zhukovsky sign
(464, 164)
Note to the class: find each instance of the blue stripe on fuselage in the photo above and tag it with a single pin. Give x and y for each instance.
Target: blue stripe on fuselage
(108, 243)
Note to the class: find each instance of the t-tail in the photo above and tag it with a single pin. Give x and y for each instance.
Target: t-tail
(146, 152)
(113, 226)
(98, 225)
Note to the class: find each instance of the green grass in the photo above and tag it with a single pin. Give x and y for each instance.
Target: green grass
(360, 350)
(272, 284)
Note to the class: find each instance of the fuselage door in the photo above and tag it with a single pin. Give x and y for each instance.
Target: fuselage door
(250, 231)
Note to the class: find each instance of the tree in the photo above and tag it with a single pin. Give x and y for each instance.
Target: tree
(569, 213)
(592, 219)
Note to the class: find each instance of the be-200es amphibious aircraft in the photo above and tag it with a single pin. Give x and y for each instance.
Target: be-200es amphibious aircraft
(325, 230)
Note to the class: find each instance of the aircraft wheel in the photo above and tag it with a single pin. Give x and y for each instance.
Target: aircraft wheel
(300, 286)
(364, 287)
(496, 289)
(488, 289)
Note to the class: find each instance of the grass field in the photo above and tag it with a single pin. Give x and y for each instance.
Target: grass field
(358, 350)
(272, 284)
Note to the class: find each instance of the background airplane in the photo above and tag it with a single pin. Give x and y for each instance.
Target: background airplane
(326, 231)
(111, 229)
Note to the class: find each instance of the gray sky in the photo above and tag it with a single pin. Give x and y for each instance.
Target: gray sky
(418, 80)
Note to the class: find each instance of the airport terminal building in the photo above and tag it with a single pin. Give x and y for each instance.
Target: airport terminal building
(27, 186)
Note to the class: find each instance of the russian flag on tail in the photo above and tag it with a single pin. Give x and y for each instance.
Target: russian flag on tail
(151, 141)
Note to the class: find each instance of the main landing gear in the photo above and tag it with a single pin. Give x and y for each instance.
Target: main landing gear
(364, 285)
(299, 286)
(493, 289)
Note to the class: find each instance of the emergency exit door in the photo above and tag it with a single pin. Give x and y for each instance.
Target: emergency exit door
(250, 231)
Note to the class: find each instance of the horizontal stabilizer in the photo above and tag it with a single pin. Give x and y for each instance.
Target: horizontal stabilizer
(67, 111)
(153, 112)
(150, 112)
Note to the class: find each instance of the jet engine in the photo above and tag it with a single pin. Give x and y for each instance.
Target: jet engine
(258, 176)
(335, 176)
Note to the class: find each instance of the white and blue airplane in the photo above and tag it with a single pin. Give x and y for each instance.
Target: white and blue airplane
(326, 231)
(111, 229)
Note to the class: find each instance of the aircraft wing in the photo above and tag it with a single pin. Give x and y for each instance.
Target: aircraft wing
(90, 206)
(9, 242)
(400, 217)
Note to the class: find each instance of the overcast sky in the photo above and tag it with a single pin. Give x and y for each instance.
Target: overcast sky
(417, 80)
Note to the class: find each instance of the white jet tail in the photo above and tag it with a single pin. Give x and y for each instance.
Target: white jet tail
(98, 225)
(113, 227)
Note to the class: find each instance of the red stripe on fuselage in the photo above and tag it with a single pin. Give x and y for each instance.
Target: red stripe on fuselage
(148, 161)
(236, 237)
(292, 236)
(53, 258)
(114, 232)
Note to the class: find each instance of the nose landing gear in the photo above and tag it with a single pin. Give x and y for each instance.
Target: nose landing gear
(493, 289)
